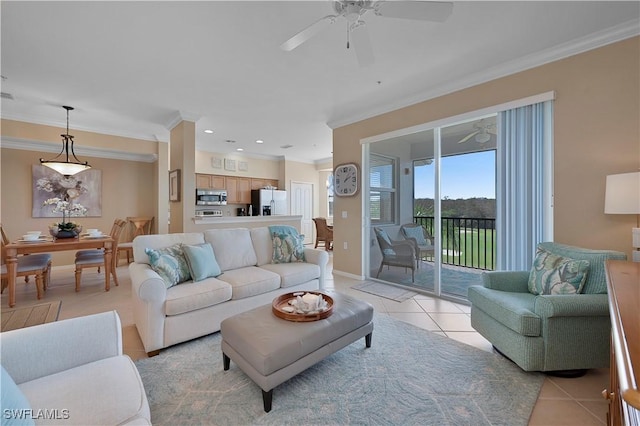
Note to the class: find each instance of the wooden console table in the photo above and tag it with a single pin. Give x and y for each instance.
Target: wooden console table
(623, 287)
(63, 244)
(12, 319)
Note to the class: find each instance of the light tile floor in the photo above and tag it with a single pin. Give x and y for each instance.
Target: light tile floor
(561, 401)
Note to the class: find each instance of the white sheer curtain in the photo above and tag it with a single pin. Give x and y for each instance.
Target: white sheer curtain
(524, 195)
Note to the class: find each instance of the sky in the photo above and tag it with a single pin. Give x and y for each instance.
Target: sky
(462, 176)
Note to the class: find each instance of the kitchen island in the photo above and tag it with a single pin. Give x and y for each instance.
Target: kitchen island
(200, 224)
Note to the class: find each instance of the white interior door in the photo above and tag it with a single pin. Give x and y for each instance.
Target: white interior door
(302, 204)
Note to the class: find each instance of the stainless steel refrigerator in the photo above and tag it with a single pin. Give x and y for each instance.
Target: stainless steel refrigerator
(267, 202)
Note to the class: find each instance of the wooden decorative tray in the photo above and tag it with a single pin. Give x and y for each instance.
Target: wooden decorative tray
(283, 301)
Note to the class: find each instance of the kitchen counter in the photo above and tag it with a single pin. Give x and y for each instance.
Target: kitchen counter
(201, 223)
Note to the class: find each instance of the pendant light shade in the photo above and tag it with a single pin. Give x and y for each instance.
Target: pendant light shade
(66, 167)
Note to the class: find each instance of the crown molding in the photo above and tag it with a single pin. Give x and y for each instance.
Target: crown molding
(592, 41)
(31, 145)
(55, 123)
(179, 117)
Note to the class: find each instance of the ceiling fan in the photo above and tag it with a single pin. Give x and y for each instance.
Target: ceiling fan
(483, 130)
(353, 12)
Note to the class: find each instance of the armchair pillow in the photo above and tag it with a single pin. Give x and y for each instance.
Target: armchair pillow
(201, 261)
(553, 274)
(417, 233)
(170, 264)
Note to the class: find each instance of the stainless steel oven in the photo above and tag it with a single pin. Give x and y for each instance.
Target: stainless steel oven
(211, 197)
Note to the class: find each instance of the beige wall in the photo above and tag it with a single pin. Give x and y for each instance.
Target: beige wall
(596, 133)
(125, 192)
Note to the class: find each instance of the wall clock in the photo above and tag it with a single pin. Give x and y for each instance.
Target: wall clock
(345, 180)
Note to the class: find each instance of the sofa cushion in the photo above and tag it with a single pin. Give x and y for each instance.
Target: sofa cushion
(233, 247)
(417, 233)
(553, 274)
(170, 264)
(190, 296)
(513, 310)
(202, 262)
(249, 281)
(13, 399)
(294, 273)
(121, 397)
(288, 245)
(262, 244)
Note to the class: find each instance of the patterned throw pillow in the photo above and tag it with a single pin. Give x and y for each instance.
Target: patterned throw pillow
(553, 274)
(202, 262)
(288, 245)
(170, 264)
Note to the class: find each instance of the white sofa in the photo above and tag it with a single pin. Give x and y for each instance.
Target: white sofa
(71, 372)
(167, 316)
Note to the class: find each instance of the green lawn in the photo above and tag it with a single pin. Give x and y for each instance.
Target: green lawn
(476, 249)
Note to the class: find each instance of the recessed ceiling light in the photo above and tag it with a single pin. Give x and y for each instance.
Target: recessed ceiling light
(259, 141)
(209, 131)
(239, 149)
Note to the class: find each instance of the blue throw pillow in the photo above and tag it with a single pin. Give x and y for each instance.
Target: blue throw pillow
(202, 262)
(553, 274)
(170, 264)
(15, 406)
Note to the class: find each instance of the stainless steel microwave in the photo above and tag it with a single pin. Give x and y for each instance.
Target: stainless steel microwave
(211, 197)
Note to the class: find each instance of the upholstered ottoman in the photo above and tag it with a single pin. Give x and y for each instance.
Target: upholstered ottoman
(271, 350)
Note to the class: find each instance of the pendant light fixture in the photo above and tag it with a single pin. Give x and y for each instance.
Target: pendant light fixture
(66, 167)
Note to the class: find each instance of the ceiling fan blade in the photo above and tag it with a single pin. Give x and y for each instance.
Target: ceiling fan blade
(308, 32)
(435, 11)
(469, 136)
(362, 45)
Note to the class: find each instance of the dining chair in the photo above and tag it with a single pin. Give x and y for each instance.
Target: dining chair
(324, 233)
(422, 241)
(33, 264)
(95, 258)
(142, 226)
(395, 253)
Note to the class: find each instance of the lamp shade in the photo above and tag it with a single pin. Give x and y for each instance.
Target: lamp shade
(622, 194)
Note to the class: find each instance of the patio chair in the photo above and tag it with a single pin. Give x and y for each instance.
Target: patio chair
(396, 253)
(423, 242)
(324, 233)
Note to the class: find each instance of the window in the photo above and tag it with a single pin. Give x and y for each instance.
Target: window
(382, 189)
(330, 195)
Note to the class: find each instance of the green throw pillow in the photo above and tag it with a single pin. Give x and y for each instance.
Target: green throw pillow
(202, 262)
(170, 264)
(553, 274)
(288, 246)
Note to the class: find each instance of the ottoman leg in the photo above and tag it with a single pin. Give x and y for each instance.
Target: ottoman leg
(226, 361)
(367, 340)
(267, 397)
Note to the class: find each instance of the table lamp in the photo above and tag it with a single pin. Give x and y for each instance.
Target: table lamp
(622, 196)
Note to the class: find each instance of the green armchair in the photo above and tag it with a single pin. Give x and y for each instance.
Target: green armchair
(549, 332)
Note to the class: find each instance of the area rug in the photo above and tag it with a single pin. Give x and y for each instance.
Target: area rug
(409, 376)
(384, 290)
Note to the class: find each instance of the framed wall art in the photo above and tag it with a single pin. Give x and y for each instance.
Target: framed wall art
(216, 162)
(243, 166)
(230, 164)
(82, 189)
(174, 185)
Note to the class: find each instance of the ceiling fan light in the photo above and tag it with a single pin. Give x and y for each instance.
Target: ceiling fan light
(483, 137)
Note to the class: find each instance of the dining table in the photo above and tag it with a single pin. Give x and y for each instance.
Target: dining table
(47, 245)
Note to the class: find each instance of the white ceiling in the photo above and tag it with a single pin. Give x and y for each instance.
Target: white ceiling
(135, 68)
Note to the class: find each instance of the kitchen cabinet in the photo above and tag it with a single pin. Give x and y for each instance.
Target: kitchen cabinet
(259, 183)
(210, 181)
(238, 190)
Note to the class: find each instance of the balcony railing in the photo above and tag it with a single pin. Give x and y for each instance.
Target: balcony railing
(467, 242)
